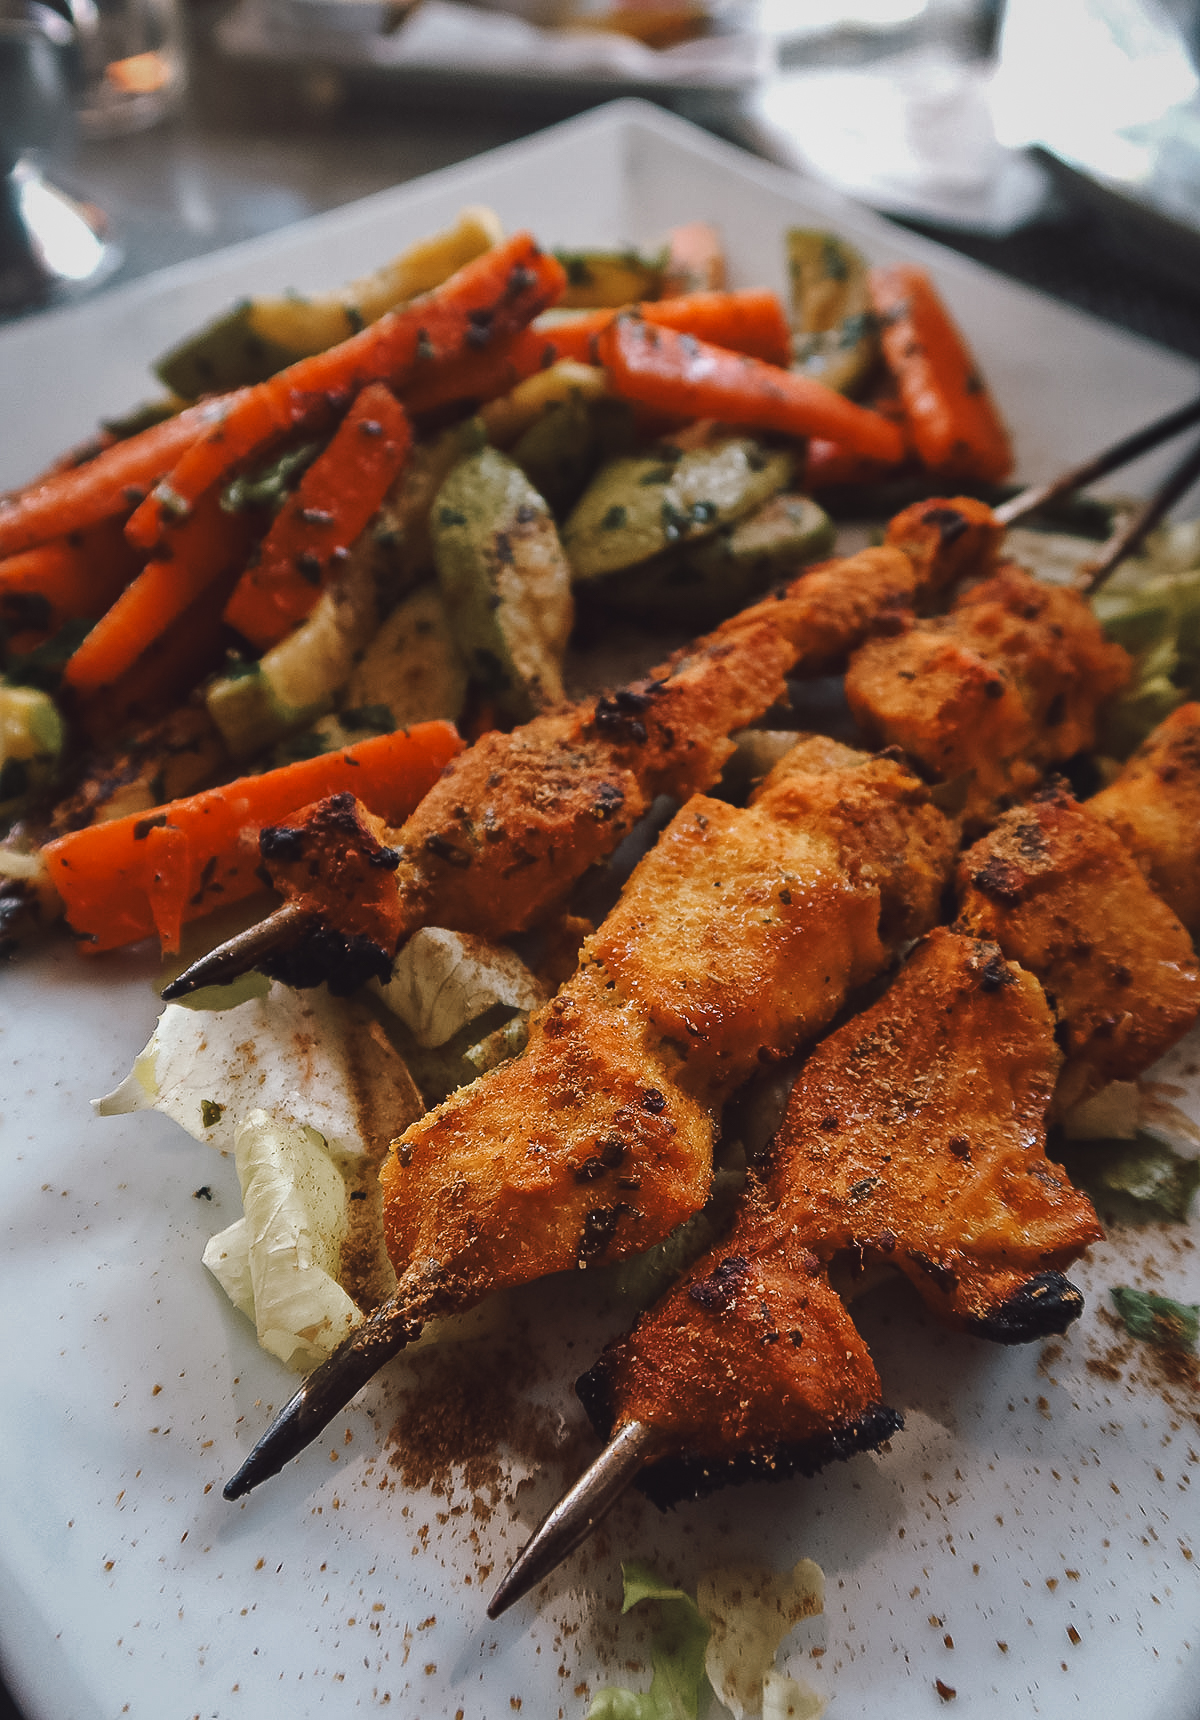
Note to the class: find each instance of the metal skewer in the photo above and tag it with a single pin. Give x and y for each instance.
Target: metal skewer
(327, 1390)
(578, 1512)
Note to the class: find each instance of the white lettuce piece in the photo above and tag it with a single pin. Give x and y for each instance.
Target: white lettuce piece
(296, 1220)
(785, 1698)
(305, 1091)
(227, 1256)
(442, 980)
(749, 1611)
(291, 1054)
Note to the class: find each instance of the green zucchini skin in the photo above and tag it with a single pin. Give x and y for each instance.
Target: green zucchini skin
(638, 506)
(227, 353)
(505, 580)
(560, 451)
(836, 332)
(704, 581)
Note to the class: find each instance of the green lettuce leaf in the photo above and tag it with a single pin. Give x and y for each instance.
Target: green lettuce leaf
(676, 1655)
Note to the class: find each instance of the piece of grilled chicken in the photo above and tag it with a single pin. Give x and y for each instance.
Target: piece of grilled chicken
(1007, 683)
(1154, 807)
(737, 938)
(1057, 888)
(904, 1140)
(519, 818)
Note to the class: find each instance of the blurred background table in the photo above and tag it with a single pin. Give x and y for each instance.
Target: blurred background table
(256, 147)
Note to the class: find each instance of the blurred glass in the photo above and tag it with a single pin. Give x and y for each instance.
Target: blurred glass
(133, 60)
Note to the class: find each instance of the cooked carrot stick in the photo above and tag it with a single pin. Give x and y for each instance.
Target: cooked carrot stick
(676, 373)
(178, 659)
(113, 483)
(485, 301)
(205, 547)
(954, 424)
(72, 578)
(321, 518)
(150, 872)
(478, 377)
(751, 321)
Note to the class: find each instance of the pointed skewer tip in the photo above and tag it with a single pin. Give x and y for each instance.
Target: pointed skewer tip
(237, 955)
(578, 1512)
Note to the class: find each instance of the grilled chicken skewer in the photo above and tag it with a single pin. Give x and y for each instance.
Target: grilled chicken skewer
(513, 1157)
(520, 817)
(902, 1142)
(1057, 890)
(738, 937)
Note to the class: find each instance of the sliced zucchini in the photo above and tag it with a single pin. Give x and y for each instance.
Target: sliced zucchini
(508, 418)
(562, 451)
(837, 334)
(597, 279)
(710, 579)
(413, 667)
(641, 505)
(31, 738)
(298, 680)
(260, 336)
(399, 536)
(505, 580)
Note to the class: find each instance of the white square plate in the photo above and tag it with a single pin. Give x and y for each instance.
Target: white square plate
(1027, 1540)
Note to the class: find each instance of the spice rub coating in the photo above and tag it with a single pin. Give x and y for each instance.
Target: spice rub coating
(917, 1133)
(1058, 890)
(738, 937)
(1010, 681)
(497, 844)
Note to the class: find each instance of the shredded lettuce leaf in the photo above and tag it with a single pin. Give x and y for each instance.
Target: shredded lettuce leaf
(294, 1055)
(730, 1634)
(443, 980)
(296, 1220)
(288, 1082)
(787, 1698)
(676, 1655)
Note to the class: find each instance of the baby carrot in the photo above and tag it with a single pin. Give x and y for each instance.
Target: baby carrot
(953, 422)
(751, 321)
(150, 872)
(484, 301)
(113, 483)
(71, 578)
(321, 518)
(206, 547)
(676, 373)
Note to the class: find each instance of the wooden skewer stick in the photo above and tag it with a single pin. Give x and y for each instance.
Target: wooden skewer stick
(327, 1390)
(240, 953)
(1100, 465)
(578, 1512)
(1129, 536)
